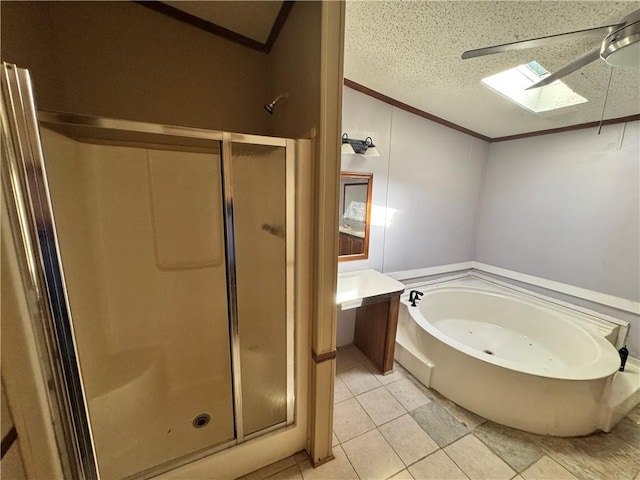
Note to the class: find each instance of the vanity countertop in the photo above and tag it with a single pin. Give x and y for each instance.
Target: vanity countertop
(353, 287)
(351, 231)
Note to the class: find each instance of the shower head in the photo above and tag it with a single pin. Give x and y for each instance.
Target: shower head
(269, 106)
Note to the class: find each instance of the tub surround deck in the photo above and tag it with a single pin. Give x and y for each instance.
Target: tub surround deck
(377, 299)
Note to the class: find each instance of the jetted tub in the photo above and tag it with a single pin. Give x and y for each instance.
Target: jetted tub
(510, 357)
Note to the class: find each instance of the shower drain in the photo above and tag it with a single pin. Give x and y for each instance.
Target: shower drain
(201, 420)
(488, 352)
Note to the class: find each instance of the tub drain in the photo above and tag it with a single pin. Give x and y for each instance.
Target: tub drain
(201, 420)
(488, 352)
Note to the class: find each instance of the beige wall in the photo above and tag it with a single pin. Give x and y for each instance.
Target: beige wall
(27, 37)
(122, 60)
(294, 67)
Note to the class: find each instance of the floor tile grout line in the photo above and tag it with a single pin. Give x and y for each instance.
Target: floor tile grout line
(394, 474)
(391, 420)
(347, 387)
(387, 442)
(378, 428)
(342, 401)
(469, 431)
(360, 434)
(357, 436)
(381, 385)
(355, 397)
(365, 410)
(449, 456)
(422, 458)
(432, 453)
(392, 394)
(349, 460)
(354, 394)
(393, 449)
(495, 452)
(406, 466)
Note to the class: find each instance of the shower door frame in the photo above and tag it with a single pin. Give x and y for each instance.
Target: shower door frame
(28, 205)
(68, 396)
(228, 139)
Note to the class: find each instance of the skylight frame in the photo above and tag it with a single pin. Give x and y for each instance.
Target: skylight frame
(512, 84)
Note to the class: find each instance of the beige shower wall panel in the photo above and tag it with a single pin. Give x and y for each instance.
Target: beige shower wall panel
(120, 299)
(181, 311)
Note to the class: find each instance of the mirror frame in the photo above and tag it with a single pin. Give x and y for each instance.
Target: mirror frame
(368, 177)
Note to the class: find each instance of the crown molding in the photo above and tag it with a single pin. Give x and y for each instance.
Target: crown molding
(416, 111)
(225, 33)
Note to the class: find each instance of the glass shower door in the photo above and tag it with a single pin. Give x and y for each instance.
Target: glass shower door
(140, 226)
(261, 186)
(162, 260)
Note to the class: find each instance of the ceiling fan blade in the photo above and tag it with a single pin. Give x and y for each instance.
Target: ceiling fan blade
(541, 41)
(581, 61)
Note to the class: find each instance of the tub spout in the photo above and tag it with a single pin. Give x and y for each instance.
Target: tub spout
(414, 296)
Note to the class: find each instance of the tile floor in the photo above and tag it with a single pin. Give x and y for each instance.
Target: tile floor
(392, 427)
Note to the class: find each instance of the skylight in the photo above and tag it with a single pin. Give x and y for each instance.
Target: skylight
(512, 83)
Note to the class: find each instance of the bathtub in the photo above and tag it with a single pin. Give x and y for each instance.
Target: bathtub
(513, 358)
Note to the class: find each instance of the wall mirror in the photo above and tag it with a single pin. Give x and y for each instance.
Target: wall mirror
(355, 215)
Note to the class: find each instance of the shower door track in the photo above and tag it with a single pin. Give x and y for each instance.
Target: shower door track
(20, 119)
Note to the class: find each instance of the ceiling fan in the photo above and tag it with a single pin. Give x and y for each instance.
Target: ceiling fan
(619, 48)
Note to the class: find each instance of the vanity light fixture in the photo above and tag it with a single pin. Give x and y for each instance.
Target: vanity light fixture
(364, 147)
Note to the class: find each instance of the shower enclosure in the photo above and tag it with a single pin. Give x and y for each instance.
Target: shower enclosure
(164, 261)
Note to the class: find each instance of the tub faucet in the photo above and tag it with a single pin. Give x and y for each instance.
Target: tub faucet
(414, 296)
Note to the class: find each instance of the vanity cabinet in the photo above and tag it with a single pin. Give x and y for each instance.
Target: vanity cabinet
(377, 299)
(375, 332)
(350, 244)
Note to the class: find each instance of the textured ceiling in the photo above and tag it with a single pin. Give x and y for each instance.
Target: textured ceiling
(253, 19)
(410, 51)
